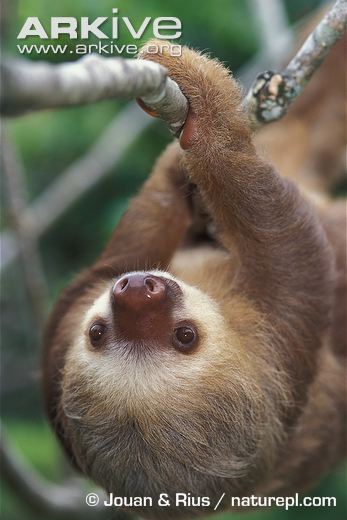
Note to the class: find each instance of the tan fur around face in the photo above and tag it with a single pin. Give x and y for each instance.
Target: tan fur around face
(185, 407)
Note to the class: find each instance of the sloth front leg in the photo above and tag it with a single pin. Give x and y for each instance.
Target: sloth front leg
(285, 261)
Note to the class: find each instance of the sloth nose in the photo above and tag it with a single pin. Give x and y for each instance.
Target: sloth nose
(139, 291)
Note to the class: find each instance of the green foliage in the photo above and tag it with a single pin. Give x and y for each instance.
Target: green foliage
(36, 442)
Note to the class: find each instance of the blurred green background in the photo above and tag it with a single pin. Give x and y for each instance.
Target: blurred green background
(46, 144)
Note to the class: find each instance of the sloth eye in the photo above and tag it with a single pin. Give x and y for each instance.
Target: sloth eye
(185, 338)
(96, 333)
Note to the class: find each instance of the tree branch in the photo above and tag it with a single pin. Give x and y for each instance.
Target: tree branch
(31, 86)
(28, 86)
(271, 94)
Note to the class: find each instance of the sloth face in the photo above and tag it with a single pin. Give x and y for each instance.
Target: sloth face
(147, 335)
(143, 313)
(159, 394)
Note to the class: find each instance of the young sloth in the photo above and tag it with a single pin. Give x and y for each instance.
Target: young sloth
(176, 364)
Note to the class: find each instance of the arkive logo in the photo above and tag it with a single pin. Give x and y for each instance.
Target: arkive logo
(163, 27)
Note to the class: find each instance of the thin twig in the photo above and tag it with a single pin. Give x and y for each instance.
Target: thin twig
(17, 196)
(85, 172)
(272, 92)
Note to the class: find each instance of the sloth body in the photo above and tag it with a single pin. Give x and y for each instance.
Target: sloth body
(182, 364)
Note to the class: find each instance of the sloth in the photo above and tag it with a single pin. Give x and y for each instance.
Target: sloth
(206, 362)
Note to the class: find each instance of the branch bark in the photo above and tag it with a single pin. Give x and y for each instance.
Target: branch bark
(272, 92)
(28, 86)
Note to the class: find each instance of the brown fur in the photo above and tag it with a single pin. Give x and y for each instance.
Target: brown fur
(254, 406)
